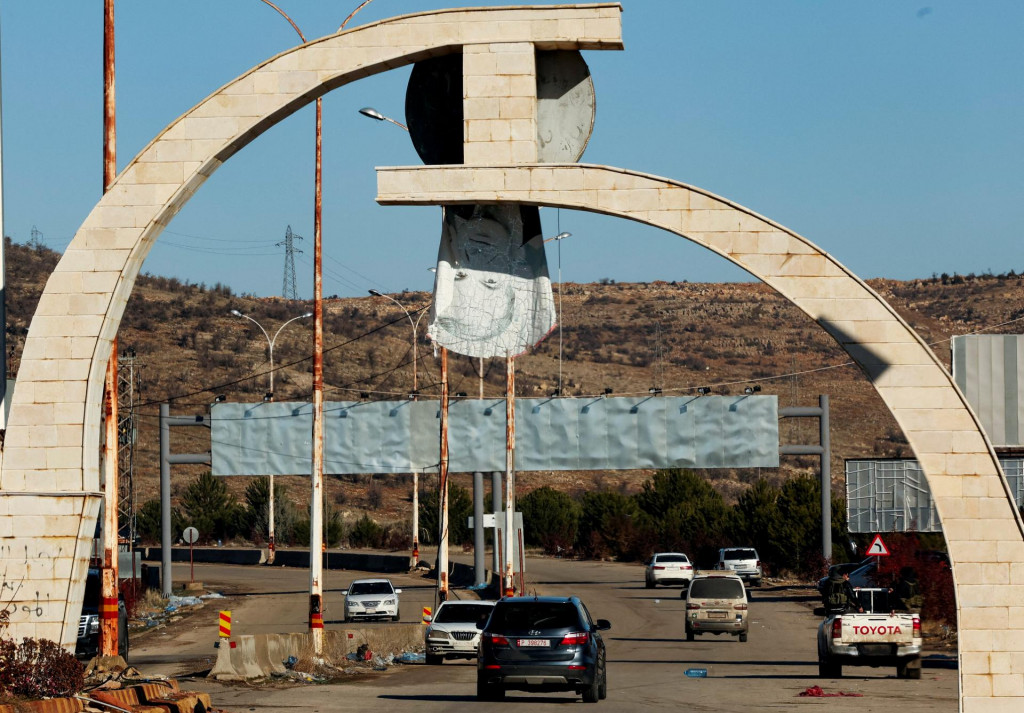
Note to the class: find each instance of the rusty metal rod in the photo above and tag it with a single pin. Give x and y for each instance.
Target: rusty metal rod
(442, 551)
(508, 577)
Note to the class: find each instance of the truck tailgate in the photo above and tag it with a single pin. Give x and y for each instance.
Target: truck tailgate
(878, 629)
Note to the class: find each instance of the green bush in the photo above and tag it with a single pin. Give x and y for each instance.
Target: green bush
(460, 507)
(366, 533)
(607, 525)
(148, 522)
(210, 507)
(550, 519)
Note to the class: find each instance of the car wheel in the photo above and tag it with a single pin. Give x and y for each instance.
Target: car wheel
(602, 690)
(649, 584)
(689, 634)
(828, 669)
(743, 637)
(592, 693)
(397, 616)
(489, 691)
(434, 660)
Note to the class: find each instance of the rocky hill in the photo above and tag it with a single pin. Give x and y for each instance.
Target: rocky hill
(627, 337)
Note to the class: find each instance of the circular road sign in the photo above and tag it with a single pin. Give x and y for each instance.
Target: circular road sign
(190, 535)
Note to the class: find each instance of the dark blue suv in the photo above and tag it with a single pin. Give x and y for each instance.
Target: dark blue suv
(542, 644)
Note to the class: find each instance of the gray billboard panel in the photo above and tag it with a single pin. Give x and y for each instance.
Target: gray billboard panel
(989, 369)
(893, 495)
(551, 434)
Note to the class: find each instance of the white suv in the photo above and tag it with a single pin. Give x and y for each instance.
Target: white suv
(743, 561)
(454, 630)
(668, 568)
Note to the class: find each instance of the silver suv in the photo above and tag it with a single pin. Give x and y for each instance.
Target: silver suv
(743, 561)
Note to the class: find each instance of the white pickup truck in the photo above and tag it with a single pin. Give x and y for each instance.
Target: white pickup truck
(876, 637)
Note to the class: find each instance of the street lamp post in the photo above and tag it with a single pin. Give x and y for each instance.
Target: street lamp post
(270, 397)
(558, 239)
(414, 395)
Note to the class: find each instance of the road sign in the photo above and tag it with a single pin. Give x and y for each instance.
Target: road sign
(877, 547)
(225, 624)
(190, 535)
(426, 615)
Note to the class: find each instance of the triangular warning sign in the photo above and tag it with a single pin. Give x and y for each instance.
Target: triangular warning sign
(877, 547)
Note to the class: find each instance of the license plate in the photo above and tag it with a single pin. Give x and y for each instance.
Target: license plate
(716, 614)
(371, 611)
(523, 643)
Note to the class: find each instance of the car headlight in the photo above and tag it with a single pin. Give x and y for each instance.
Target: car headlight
(94, 625)
(439, 634)
(389, 602)
(353, 605)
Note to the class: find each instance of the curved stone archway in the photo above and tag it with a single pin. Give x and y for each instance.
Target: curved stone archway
(982, 526)
(50, 476)
(50, 469)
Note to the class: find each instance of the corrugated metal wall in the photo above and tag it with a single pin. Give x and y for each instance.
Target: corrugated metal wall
(989, 369)
(551, 434)
(893, 495)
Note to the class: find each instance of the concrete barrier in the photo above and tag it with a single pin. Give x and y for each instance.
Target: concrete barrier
(359, 561)
(260, 655)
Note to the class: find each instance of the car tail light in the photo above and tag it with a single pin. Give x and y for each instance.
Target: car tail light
(917, 628)
(686, 566)
(496, 640)
(837, 628)
(740, 606)
(575, 639)
(577, 668)
(692, 606)
(493, 667)
(657, 567)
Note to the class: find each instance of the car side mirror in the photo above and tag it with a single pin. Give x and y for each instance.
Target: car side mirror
(427, 618)
(344, 591)
(603, 625)
(398, 591)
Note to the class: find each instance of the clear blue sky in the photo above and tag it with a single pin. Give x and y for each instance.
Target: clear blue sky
(887, 132)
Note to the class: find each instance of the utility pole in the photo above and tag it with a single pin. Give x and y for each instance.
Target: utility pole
(442, 548)
(288, 290)
(109, 574)
(508, 577)
(824, 453)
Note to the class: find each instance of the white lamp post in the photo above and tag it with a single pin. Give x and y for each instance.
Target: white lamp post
(414, 395)
(270, 397)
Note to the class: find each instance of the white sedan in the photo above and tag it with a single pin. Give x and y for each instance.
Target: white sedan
(668, 568)
(371, 599)
(454, 630)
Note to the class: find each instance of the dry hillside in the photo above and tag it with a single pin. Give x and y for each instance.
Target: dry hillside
(628, 337)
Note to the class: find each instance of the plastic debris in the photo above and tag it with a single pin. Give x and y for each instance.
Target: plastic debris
(410, 657)
(817, 692)
(696, 672)
(290, 662)
(212, 595)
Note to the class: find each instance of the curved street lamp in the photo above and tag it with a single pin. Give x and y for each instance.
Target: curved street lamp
(415, 328)
(271, 341)
(558, 239)
(270, 397)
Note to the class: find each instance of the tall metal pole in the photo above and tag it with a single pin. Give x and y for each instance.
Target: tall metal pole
(442, 547)
(166, 576)
(826, 479)
(496, 509)
(109, 574)
(316, 505)
(479, 568)
(508, 577)
(3, 301)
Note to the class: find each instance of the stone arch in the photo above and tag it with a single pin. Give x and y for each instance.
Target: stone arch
(50, 474)
(982, 526)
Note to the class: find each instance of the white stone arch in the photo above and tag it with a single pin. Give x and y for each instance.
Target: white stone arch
(982, 526)
(50, 475)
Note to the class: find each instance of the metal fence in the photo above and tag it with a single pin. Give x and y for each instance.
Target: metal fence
(893, 495)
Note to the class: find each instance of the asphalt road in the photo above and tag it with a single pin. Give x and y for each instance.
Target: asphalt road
(647, 653)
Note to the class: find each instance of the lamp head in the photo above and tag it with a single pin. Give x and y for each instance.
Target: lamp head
(308, 314)
(219, 398)
(236, 313)
(376, 293)
(372, 113)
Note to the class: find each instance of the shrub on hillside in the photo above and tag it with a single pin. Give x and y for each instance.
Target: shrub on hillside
(550, 519)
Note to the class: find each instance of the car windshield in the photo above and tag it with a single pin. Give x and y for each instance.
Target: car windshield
(371, 588)
(740, 555)
(875, 601)
(462, 614)
(660, 559)
(523, 616)
(716, 588)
